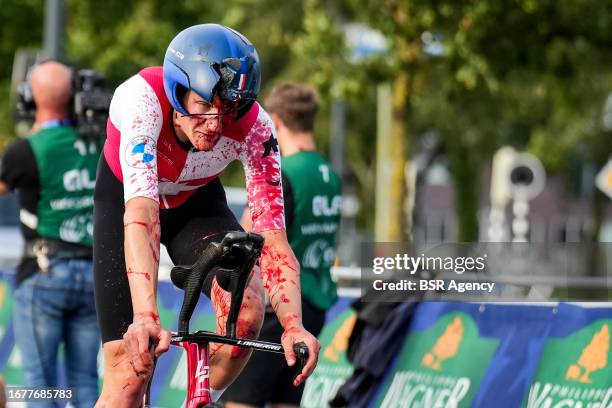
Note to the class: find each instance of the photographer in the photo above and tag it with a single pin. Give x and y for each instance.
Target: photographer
(54, 172)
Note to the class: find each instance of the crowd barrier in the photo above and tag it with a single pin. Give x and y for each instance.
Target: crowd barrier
(453, 355)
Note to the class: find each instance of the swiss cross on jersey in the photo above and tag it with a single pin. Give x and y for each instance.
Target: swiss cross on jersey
(269, 145)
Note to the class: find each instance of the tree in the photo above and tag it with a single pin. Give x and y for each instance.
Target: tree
(20, 27)
(530, 73)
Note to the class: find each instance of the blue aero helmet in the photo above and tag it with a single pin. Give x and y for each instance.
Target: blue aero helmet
(212, 59)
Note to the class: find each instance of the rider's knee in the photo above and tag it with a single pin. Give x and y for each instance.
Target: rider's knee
(250, 319)
(121, 383)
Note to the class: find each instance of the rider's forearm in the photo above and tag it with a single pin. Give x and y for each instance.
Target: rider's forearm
(142, 232)
(280, 274)
(287, 304)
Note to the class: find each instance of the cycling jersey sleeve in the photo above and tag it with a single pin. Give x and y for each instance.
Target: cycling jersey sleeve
(136, 112)
(261, 160)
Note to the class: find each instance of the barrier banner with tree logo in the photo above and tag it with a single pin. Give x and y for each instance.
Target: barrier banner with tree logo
(575, 368)
(435, 366)
(467, 355)
(333, 367)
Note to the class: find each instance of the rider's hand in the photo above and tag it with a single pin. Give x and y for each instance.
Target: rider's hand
(144, 331)
(296, 334)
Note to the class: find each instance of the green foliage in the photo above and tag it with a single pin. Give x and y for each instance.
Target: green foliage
(127, 45)
(531, 73)
(19, 27)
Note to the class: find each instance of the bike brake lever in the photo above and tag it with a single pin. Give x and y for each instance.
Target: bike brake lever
(301, 353)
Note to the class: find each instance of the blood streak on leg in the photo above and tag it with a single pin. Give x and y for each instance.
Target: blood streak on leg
(245, 330)
(221, 301)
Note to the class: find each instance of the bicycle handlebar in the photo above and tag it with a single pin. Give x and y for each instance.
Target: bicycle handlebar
(301, 353)
(300, 349)
(235, 257)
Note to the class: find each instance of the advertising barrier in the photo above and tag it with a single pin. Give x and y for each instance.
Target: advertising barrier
(575, 367)
(471, 355)
(454, 355)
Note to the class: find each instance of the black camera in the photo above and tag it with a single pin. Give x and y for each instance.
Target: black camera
(89, 105)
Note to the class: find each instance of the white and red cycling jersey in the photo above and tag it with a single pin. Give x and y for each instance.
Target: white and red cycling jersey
(144, 153)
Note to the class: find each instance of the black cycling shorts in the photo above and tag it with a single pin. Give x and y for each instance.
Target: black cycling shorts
(276, 386)
(185, 231)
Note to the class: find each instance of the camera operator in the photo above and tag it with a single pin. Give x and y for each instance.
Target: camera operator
(54, 172)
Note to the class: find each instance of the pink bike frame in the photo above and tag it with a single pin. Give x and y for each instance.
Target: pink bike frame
(198, 374)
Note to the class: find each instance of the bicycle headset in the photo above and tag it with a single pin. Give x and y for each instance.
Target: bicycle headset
(212, 59)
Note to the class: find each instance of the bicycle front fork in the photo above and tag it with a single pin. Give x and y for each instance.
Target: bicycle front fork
(198, 376)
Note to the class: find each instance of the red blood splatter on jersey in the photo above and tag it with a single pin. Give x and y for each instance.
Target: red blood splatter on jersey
(145, 274)
(263, 179)
(169, 177)
(136, 123)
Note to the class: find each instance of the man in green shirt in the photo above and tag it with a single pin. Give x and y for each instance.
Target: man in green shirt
(54, 172)
(312, 196)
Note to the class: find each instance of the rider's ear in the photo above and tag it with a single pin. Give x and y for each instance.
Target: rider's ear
(176, 120)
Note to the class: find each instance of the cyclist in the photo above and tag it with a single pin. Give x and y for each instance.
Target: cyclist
(171, 131)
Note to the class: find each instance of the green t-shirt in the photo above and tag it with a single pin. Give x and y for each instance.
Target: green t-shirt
(317, 199)
(67, 174)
